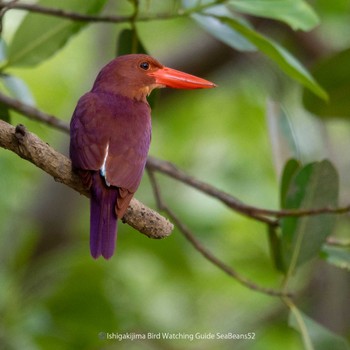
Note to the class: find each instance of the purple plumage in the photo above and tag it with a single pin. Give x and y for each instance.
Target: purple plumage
(103, 218)
(110, 137)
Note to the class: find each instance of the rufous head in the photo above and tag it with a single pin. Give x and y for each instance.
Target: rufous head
(136, 75)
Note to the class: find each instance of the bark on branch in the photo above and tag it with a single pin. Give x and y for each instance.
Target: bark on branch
(30, 147)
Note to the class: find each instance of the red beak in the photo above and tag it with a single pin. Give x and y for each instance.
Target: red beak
(180, 80)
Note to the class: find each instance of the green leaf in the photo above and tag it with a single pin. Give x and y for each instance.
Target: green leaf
(275, 247)
(314, 186)
(288, 63)
(221, 31)
(40, 36)
(289, 171)
(4, 113)
(337, 256)
(314, 335)
(129, 42)
(296, 13)
(18, 89)
(334, 75)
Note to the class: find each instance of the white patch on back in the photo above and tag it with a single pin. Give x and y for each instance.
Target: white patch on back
(103, 168)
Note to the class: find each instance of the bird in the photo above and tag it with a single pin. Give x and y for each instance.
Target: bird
(110, 135)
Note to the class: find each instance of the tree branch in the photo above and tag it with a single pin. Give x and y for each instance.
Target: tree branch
(256, 213)
(80, 17)
(169, 169)
(74, 16)
(30, 147)
(203, 250)
(34, 113)
(56, 12)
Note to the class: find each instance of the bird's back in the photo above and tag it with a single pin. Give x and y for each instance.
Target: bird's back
(111, 131)
(110, 138)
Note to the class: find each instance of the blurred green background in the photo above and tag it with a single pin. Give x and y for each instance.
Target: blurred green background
(53, 295)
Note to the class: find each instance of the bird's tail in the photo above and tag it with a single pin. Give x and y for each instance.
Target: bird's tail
(103, 219)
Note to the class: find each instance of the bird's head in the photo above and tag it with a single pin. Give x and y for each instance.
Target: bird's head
(136, 75)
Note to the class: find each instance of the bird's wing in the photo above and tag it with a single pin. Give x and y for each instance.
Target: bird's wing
(111, 134)
(87, 139)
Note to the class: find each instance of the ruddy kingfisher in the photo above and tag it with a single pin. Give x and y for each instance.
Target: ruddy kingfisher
(110, 135)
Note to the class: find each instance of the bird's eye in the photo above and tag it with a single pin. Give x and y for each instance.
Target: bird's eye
(144, 65)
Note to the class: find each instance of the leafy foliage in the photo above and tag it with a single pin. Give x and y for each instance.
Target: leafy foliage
(314, 186)
(236, 33)
(54, 297)
(296, 13)
(39, 37)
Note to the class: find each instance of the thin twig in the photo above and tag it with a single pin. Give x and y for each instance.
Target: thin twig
(34, 113)
(254, 212)
(3, 9)
(172, 171)
(74, 16)
(204, 251)
(56, 12)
